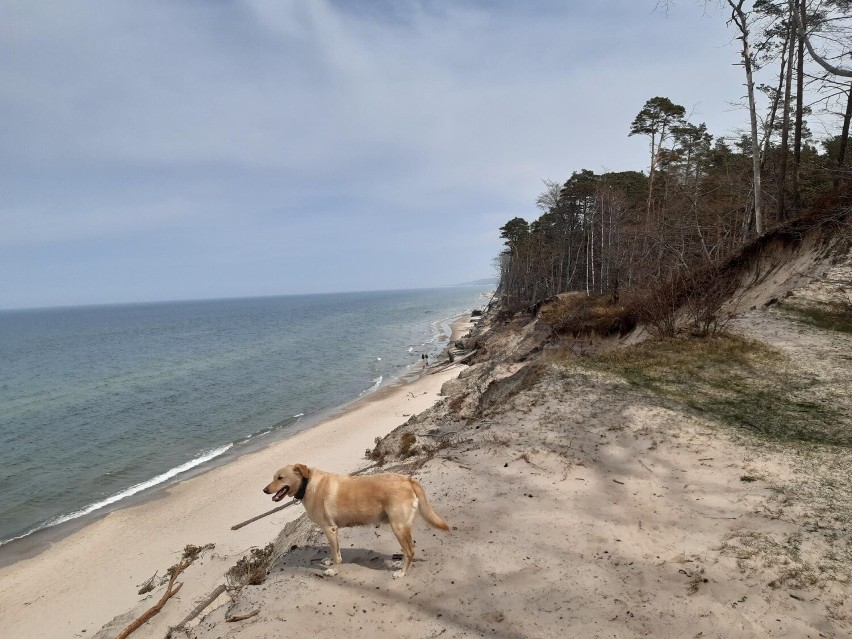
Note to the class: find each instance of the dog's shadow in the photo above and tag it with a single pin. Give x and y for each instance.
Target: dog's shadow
(315, 558)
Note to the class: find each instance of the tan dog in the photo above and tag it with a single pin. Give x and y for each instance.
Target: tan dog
(339, 501)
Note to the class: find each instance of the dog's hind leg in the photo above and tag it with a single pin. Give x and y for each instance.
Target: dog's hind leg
(333, 548)
(403, 536)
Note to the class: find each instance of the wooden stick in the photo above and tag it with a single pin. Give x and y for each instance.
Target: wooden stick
(266, 514)
(289, 503)
(171, 590)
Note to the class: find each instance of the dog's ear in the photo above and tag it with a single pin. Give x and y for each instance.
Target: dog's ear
(302, 470)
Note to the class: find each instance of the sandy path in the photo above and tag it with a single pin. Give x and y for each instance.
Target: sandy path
(84, 580)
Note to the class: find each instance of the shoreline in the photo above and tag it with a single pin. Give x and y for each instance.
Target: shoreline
(87, 574)
(33, 543)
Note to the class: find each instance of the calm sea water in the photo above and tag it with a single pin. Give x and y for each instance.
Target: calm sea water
(100, 403)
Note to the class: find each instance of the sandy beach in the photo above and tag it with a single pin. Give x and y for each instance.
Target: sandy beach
(84, 580)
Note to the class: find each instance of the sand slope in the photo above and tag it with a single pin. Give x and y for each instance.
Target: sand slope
(579, 507)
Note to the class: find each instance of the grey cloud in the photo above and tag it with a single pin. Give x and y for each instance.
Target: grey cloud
(352, 125)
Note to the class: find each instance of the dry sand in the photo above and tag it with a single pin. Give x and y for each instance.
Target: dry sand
(578, 507)
(84, 580)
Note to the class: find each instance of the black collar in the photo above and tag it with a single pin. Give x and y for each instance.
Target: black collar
(300, 494)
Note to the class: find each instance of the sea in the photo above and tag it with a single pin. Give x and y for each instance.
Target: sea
(103, 404)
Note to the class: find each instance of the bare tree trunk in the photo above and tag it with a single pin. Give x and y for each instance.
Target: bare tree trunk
(844, 139)
(651, 172)
(785, 127)
(797, 136)
(770, 124)
(592, 250)
(740, 18)
(606, 264)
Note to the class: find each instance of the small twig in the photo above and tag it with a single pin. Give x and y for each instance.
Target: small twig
(773, 513)
(645, 467)
(454, 460)
(148, 586)
(248, 615)
(526, 458)
(171, 590)
(698, 512)
(618, 482)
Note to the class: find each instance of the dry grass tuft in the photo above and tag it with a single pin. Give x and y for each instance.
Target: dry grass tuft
(406, 445)
(580, 314)
(251, 570)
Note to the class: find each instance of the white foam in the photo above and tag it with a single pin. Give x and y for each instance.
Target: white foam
(376, 383)
(136, 488)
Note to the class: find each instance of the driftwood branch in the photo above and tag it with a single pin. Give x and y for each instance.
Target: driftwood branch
(288, 504)
(197, 610)
(171, 590)
(248, 615)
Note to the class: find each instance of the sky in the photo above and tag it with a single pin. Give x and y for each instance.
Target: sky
(193, 149)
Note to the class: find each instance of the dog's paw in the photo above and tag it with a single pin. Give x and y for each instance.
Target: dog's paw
(329, 572)
(398, 574)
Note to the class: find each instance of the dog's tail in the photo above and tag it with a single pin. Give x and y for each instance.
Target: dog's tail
(432, 518)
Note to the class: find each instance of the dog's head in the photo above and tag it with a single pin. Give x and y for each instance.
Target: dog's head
(287, 481)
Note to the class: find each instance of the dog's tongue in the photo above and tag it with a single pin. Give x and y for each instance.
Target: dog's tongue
(280, 494)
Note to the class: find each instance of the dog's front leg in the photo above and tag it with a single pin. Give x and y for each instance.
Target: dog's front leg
(334, 549)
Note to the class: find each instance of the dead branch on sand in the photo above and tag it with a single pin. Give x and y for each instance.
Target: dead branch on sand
(243, 617)
(197, 610)
(171, 590)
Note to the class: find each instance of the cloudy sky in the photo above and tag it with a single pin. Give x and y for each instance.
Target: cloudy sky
(183, 149)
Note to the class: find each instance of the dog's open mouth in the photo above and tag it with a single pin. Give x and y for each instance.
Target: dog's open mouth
(281, 494)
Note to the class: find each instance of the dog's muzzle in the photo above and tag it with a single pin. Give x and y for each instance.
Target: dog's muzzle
(279, 495)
